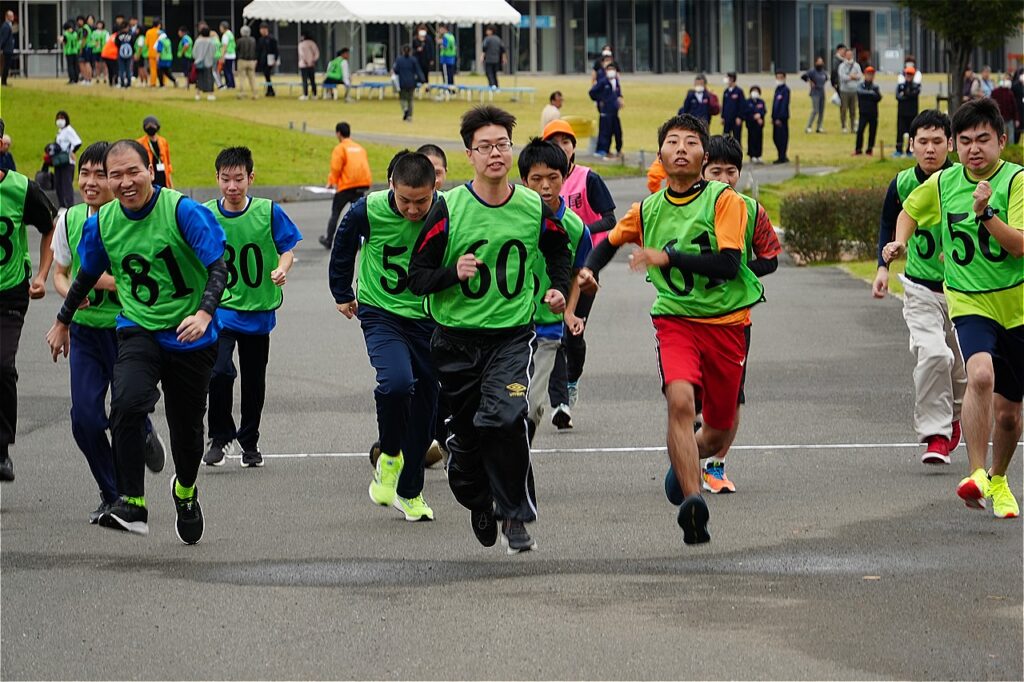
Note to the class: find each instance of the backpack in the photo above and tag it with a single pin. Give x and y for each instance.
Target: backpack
(714, 107)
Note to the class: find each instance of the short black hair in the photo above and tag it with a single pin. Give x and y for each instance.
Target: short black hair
(481, 116)
(556, 93)
(724, 149)
(94, 154)
(393, 161)
(841, 46)
(542, 152)
(731, 75)
(64, 115)
(434, 151)
(183, 29)
(342, 50)
(701, 76)
(611, 65)
(780, 72)
(235, 157)
(412, 169)
(343, 129)
(977, 113)
(931, 118)
(126, 145)
(684, 122)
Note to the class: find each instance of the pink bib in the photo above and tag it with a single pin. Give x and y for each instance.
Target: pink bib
(574, 191)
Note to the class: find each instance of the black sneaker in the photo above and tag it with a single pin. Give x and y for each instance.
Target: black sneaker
(484, 526)
(94, 516)
(123, 516)
(693, 519)
(6, 469)
(189, 525)
(515, 538)
(374, 453)
(214, 456)
(156, 455)
(324, 242)
(252, 458)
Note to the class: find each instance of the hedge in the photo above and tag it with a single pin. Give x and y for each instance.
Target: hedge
(827, 225)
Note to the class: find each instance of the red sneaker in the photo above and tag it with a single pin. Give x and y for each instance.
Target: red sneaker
(937, 452)
(954, 440)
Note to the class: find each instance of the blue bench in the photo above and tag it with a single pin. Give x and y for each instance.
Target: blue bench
(373, 87)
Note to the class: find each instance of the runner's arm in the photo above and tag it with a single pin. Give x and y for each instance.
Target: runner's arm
(554, 244)
(427, 274)
(887, 225)
(626, 231)
(1010, 233)
(341, 269)
(766, 245)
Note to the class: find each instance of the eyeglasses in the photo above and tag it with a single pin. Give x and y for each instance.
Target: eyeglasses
(486, 149)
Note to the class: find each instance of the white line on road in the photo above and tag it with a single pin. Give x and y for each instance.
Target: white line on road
(645, 448)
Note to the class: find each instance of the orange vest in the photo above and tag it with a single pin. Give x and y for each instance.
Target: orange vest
(165, 154)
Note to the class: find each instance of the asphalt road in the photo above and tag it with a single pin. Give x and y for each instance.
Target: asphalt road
(829, 562)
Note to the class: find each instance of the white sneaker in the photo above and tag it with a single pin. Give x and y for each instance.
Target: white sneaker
(302, 98)
(211, 98)
(807, 130)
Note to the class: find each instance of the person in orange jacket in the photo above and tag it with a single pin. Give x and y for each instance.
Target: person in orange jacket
(350, 177)
(159, 152)
(656, 176)
(152, 35)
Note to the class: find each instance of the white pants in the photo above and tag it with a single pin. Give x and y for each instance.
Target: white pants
(543, 365)
(940, 379)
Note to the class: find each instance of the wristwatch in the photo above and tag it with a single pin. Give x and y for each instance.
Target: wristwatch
(987, 214)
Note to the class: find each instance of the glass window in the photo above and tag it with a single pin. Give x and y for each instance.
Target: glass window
(548, 41)
(819, 33)
(597, 28)
(804, 35)
(576, 37)
(687, 36)
(42, 26)
(644, 15)
(881, 35)
(727, 35)
(838, 27)
(669, 37)
(623, 46)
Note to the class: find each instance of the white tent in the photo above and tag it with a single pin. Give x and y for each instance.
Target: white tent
(384, 11)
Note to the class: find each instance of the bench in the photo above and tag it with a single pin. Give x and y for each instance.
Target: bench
(373, 87)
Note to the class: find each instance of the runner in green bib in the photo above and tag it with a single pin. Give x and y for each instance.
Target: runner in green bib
(475, 260)
(691, 240)
(22, 203)
(980, 207)
(543, 167)
(395, 326)
(166, 255)
(258, 255)
(940, 379)
(93, 337)
(72, 45)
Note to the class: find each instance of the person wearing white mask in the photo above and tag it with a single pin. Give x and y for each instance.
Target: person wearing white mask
(755, 112)
(597, 69)
(64, 162)
(607, 92)
(423, 50)
(698, 101)
(850, 77)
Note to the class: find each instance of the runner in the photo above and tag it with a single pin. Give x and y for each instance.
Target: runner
(940, 379)
(395, 326)
(984, 284)
(474, 259)
(94, 340)
(588, 197)
(543, 168)
(258, 255)
(22, 203)
(440, 161)
(724, 164)
(704, 293)
(166, 255)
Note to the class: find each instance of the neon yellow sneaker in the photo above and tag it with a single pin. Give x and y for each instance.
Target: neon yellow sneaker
(415, 509)
(1004, 505)
(384, 485)
(974, 489)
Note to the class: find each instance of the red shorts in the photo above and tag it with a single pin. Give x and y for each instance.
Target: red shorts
(710, 357)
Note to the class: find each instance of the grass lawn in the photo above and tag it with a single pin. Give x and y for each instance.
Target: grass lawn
(866, 269)
(197, 130)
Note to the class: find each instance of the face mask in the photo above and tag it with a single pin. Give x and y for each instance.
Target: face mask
(151, 131)
(755, 94)
(778, 82)
(698, 88)
(61, 123)
(1004, 84)
(611, 73)
(725, 81)
(423, 34)
(606, 53)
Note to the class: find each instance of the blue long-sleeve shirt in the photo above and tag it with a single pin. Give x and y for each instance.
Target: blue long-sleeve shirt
(607, 95)
(409, 73)
(697, 107)
(733, 103)
(755, 106)
(780, 104)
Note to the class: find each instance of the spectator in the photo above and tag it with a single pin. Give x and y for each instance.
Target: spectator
(133, 26)
(987, 86)
(7, 44)
(335, 74)
(850, 77)
(141, 57)
(84, 26)
(597, 68)
(410, 75)
(816, 79)
(165, 59)
(755, 114)
(6, 158)
(493, 56)
(97, 40)
(68, 142)
(780, 117)
(1017, 86)
(447, 51)
(422, 49)
(229, 50)
(908, 91)
(607, 92)
(309, 54)
(125, 52)
(108, 53)
(553, 110)
(350, 177)
(185, 53)
(203, 52)
(152, 35)
(266, 56)
(698, 100)
(971, 88)
(70, 42)
(1004, 98)
(656, 175)
(245, 50)
(868, 97)
(733, 103)
(159, 151)
(910, 62)
(838, 57)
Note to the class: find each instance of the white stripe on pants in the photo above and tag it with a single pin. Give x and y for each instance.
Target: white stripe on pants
(940, 379)
(543, 364)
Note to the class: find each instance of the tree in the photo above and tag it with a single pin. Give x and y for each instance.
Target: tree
(966, 25)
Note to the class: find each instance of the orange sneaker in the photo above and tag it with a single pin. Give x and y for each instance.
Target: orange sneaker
(715, 480)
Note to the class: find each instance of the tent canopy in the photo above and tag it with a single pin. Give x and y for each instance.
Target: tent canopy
(381, 12)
